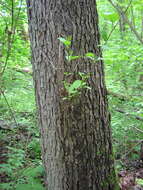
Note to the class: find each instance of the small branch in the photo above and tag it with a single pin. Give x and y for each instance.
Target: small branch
(11, 35)
(142, 24)
(131, 150)
(10, 109)
(3, 4)
(130, 115)
(114, 27)
(138, 129)
(134, 30)
(120, 11)
(119, 96)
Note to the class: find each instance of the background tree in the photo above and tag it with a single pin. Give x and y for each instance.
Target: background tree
(75, 127)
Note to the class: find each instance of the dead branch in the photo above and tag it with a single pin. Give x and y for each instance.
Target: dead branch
(130, 115)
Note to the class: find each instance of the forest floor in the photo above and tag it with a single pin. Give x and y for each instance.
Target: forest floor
(130, 176)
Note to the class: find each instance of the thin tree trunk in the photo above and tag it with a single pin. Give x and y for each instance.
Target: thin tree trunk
(122, 22)
(142, 24)
(75, 133)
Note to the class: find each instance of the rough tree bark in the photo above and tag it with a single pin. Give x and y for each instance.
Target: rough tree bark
(75, 133)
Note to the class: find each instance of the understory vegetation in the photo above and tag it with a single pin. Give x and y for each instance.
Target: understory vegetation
(121, 28)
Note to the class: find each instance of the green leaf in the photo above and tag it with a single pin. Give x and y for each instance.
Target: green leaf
(88, 87)
(140, 181)
(74, 86)
(65, 41)
(70, 58)
(33, 172)
(111, 16)
(104, 35)
(66, 85)
(90, 55)
(84, 76)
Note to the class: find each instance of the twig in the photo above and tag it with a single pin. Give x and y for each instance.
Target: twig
(119, 96)
(131, 150)
(11, 35)
(138, 129)
(11, 111)
(131, 115)
(114, 27)
(127, 20)
(3, 4)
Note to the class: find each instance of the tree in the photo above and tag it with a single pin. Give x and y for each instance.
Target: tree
(74, 123)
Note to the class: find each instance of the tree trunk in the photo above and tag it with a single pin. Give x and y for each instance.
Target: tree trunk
(122, 22)
(75, 132)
